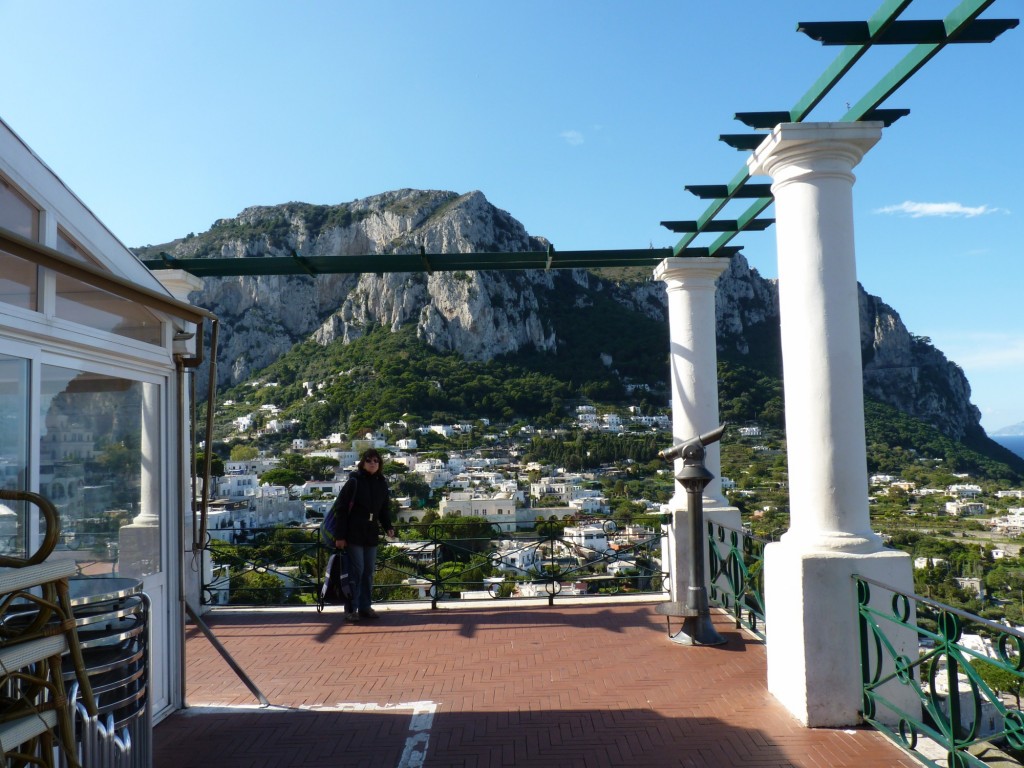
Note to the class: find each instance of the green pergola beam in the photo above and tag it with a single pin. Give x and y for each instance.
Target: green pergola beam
(960, 26)
(878, 22)
(749, 216)
(958, 19)
(419, 261)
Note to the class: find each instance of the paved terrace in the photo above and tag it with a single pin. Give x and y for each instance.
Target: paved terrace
(490, 684)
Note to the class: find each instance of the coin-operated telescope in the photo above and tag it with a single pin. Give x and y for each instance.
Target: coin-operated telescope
(694, 477)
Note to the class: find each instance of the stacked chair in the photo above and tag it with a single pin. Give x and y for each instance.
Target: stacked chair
(37, 632)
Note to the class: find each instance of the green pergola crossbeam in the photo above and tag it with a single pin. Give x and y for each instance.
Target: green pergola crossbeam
(415, 262)
(917, 32)
(885, 116)
(763, 121)
(768, 120)
(722, 191)
(303, 264)
(719, 225)
(746, 142)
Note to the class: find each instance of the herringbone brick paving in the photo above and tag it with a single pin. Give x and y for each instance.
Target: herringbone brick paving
(591, 685)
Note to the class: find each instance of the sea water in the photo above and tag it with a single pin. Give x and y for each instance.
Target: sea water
(1014, 442)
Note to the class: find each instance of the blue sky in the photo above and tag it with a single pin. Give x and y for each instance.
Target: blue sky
(582, 118)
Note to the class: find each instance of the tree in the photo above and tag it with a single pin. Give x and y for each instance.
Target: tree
(286, 477)
(322, 467)
(244, 452)
(999, 679)
(257, 588)
(216, 464)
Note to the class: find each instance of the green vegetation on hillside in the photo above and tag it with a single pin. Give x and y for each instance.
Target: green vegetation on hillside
(386, 376)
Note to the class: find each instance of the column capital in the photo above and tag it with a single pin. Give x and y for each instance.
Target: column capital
(691, 269)
(179, 282)
(789, 142)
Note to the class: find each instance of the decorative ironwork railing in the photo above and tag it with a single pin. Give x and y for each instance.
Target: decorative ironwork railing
(950, 693)
(461, 558)
(736, 575)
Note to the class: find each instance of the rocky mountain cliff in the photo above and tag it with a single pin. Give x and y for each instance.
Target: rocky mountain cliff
(482, 315)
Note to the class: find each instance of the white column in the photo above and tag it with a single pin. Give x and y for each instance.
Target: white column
(693, 366)
(139, 542)
(813, 651)
(811, 167)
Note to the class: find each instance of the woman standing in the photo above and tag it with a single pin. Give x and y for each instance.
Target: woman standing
(361, 510)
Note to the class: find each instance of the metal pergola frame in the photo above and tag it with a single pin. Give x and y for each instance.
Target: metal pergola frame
(928, 37)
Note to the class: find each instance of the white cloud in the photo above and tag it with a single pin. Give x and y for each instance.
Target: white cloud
(919, 210)
(574, 138)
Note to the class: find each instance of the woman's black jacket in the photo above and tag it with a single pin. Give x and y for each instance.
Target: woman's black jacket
(362, 509)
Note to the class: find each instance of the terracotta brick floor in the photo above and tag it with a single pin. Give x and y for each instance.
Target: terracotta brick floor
(491, 685)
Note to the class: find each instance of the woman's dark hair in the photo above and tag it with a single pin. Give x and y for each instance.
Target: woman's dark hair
(370, 453)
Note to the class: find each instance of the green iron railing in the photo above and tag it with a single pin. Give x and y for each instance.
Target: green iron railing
(440, 561)
(944, 696)
(736, 572)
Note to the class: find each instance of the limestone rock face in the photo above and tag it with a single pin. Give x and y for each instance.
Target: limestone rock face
(485, 314)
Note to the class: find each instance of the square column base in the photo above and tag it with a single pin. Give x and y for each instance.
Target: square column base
(814, 656)
(138, 550)
(676, 546)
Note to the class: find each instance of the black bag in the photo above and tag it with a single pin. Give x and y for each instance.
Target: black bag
(327, 537)
(336, 588)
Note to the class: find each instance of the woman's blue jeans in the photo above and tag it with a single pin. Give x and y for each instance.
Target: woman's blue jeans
(362, 562)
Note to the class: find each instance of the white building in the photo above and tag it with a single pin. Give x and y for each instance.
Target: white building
(964, 508)
(499, 509)
(590, 539)
(564, 488)
(963, 491)
(235, 486)
(589, 505)
(251, 466)
(82, 323)
(345, 457)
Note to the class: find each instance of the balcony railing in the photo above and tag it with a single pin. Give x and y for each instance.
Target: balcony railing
(457, 559)
(736, 571)
(960, 705)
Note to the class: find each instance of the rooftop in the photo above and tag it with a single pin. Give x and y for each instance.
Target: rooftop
(490, 684)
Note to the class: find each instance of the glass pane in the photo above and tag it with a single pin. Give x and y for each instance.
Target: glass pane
(96, 308)
(100, 465)
(17, 213)
(73, 250)
(13, 452)
(18, 279)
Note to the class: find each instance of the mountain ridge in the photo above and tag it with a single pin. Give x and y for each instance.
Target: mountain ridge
(488, 315)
